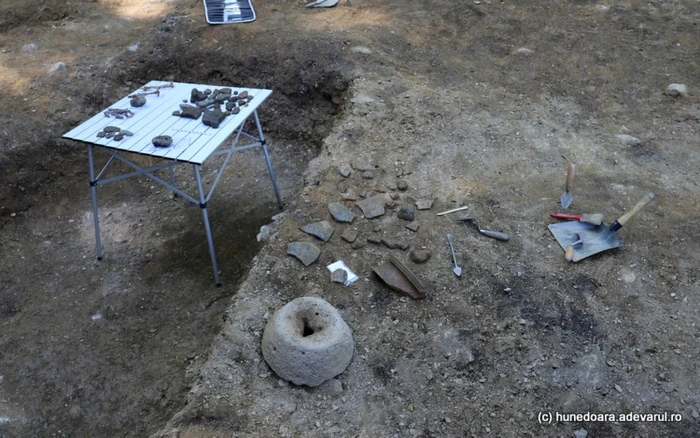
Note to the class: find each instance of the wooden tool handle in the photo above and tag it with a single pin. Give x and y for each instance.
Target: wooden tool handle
(570, 176)
(627, 216)
(575, 217)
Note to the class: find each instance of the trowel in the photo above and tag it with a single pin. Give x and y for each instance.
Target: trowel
(566, 198)
(457, 270)
(580, 240)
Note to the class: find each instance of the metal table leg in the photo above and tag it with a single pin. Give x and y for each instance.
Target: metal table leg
(263, 142)
(93, 190)
(203, 206)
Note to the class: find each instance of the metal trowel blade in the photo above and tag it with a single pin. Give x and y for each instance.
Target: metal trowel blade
(607, 240)
(566, 200)
(567, 233)
(457, 271)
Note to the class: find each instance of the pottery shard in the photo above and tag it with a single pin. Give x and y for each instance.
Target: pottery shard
(394, 244)
(372, 207)
(349, 235)
(118, 137)
(190, 111)
(236, 110)
(162, 141)
(101, 134)
(197, 96)
(225, 91)
(111, 129)
(230, 106)
(213, 118)
(341, 213)
(339, 276)
(221, 97)
(243, 95)
(420, 255)
(305, 252)
(323, 230)
(413, 226)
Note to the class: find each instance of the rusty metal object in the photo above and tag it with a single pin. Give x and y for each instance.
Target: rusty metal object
(398, 277)
(158, 87)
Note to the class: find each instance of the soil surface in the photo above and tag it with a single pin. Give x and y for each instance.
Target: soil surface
(476, 104)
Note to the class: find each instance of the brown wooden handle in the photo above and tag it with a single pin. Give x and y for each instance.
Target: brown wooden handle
(627, 216)
(570, 176)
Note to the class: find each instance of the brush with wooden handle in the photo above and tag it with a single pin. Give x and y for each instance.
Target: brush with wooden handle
(589, 218)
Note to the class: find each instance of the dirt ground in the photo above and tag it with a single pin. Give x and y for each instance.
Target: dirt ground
(477, 104)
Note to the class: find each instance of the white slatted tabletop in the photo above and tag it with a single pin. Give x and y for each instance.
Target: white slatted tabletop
(193, 141)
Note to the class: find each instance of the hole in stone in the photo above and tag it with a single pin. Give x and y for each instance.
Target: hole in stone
(308, 331)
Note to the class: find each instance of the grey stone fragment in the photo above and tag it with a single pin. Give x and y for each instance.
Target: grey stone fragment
(341, 213)
(197, 96)
(361, 165)
(368, 174)
(357, 244)
(225, 91)
(190, 111)
(391, 185)
(138, 101)
(323, 230)
(374, 239)
(101, 134)
(394, 196)
(394, 244)
(58, 67)
(221, 97)
(406, 213)
(581, 433)
(372, 207)
(243, 95)
(125, 132)
(162, 141)
(345, 172)
(424, 204)
(413, 226)
(29, 48)
(109, 134)
(306, 252)
(349, 235)
(628, 140)
(402, 185)
(339, 276)
(213, 118)
(676, 90)
(420, 255)
(118, 137)
(230, 106)
(177, 113)
(307, 342)
(111, 129)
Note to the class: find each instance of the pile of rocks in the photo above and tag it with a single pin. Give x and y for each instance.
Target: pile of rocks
(114, 132)
(209, 103)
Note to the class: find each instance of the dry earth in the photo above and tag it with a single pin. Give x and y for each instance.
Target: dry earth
(470, 104)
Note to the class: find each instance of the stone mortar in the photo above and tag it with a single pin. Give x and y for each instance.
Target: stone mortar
(307, 342)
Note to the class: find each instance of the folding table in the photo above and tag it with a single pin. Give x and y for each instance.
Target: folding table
(193, 143)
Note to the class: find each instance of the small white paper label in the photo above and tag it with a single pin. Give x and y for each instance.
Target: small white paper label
(341, 265)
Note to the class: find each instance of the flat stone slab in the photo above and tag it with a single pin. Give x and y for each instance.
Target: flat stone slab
(323, 230)
(372, 207)
(424, 204)
(340, 212)
(306, 252)
(361, 165)
(413, 226)
(349, 235)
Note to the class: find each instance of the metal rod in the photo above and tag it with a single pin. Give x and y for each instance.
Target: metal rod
(104, 168)
(451, 211)
(223, 166)
(210, 240)
(158, 180)
(132, 174)
(93, 190)
(267, 159)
